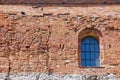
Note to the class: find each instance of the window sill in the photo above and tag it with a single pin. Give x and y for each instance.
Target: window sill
(91, 67)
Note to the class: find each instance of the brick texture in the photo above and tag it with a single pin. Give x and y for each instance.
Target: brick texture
(42, 39)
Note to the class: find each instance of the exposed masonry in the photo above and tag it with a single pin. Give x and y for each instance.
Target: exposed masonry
(33, 34)
(47, 43)
(45, 76)
(73, 10)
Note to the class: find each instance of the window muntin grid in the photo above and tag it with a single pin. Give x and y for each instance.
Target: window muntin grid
(90, 52)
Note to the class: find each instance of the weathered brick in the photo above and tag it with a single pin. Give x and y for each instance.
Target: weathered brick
(37, 39)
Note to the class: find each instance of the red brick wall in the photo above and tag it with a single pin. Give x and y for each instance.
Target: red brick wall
(31, 42)
(59, 1)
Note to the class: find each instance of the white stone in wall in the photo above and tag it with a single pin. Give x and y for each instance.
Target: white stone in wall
(46, 76)
(3, 76)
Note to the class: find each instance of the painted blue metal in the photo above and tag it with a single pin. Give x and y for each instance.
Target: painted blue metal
(90, 52)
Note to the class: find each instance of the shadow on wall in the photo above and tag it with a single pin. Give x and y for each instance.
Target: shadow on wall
(59, 1)
(64, 3)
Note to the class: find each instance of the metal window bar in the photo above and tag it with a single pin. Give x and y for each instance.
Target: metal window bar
(90, 55)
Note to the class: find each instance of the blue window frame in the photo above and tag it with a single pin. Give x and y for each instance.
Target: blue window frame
(90, 52)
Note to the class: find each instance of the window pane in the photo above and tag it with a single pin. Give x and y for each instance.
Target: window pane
(95, 41)
(83, 63)
(91, 40)
(93, 63)
(92, 55)
(90, 52)
(82, 47)
(83, 56)
(97, 55)
(92, 47)
(87, 40)
(87, 47)
(87, 56)
(87, 63)
(96, 47)
(83, 41)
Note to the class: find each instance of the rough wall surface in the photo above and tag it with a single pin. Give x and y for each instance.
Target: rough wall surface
(45, 39)
(45, 76)
(58, 1)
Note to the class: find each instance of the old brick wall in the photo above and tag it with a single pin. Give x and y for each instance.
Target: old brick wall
(37, 38)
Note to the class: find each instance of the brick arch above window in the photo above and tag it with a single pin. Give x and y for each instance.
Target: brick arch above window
(90, 32)
(95, 33)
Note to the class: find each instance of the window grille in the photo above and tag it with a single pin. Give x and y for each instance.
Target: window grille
(90, 52)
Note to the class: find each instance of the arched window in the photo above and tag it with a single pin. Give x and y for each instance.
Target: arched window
(90, 52)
